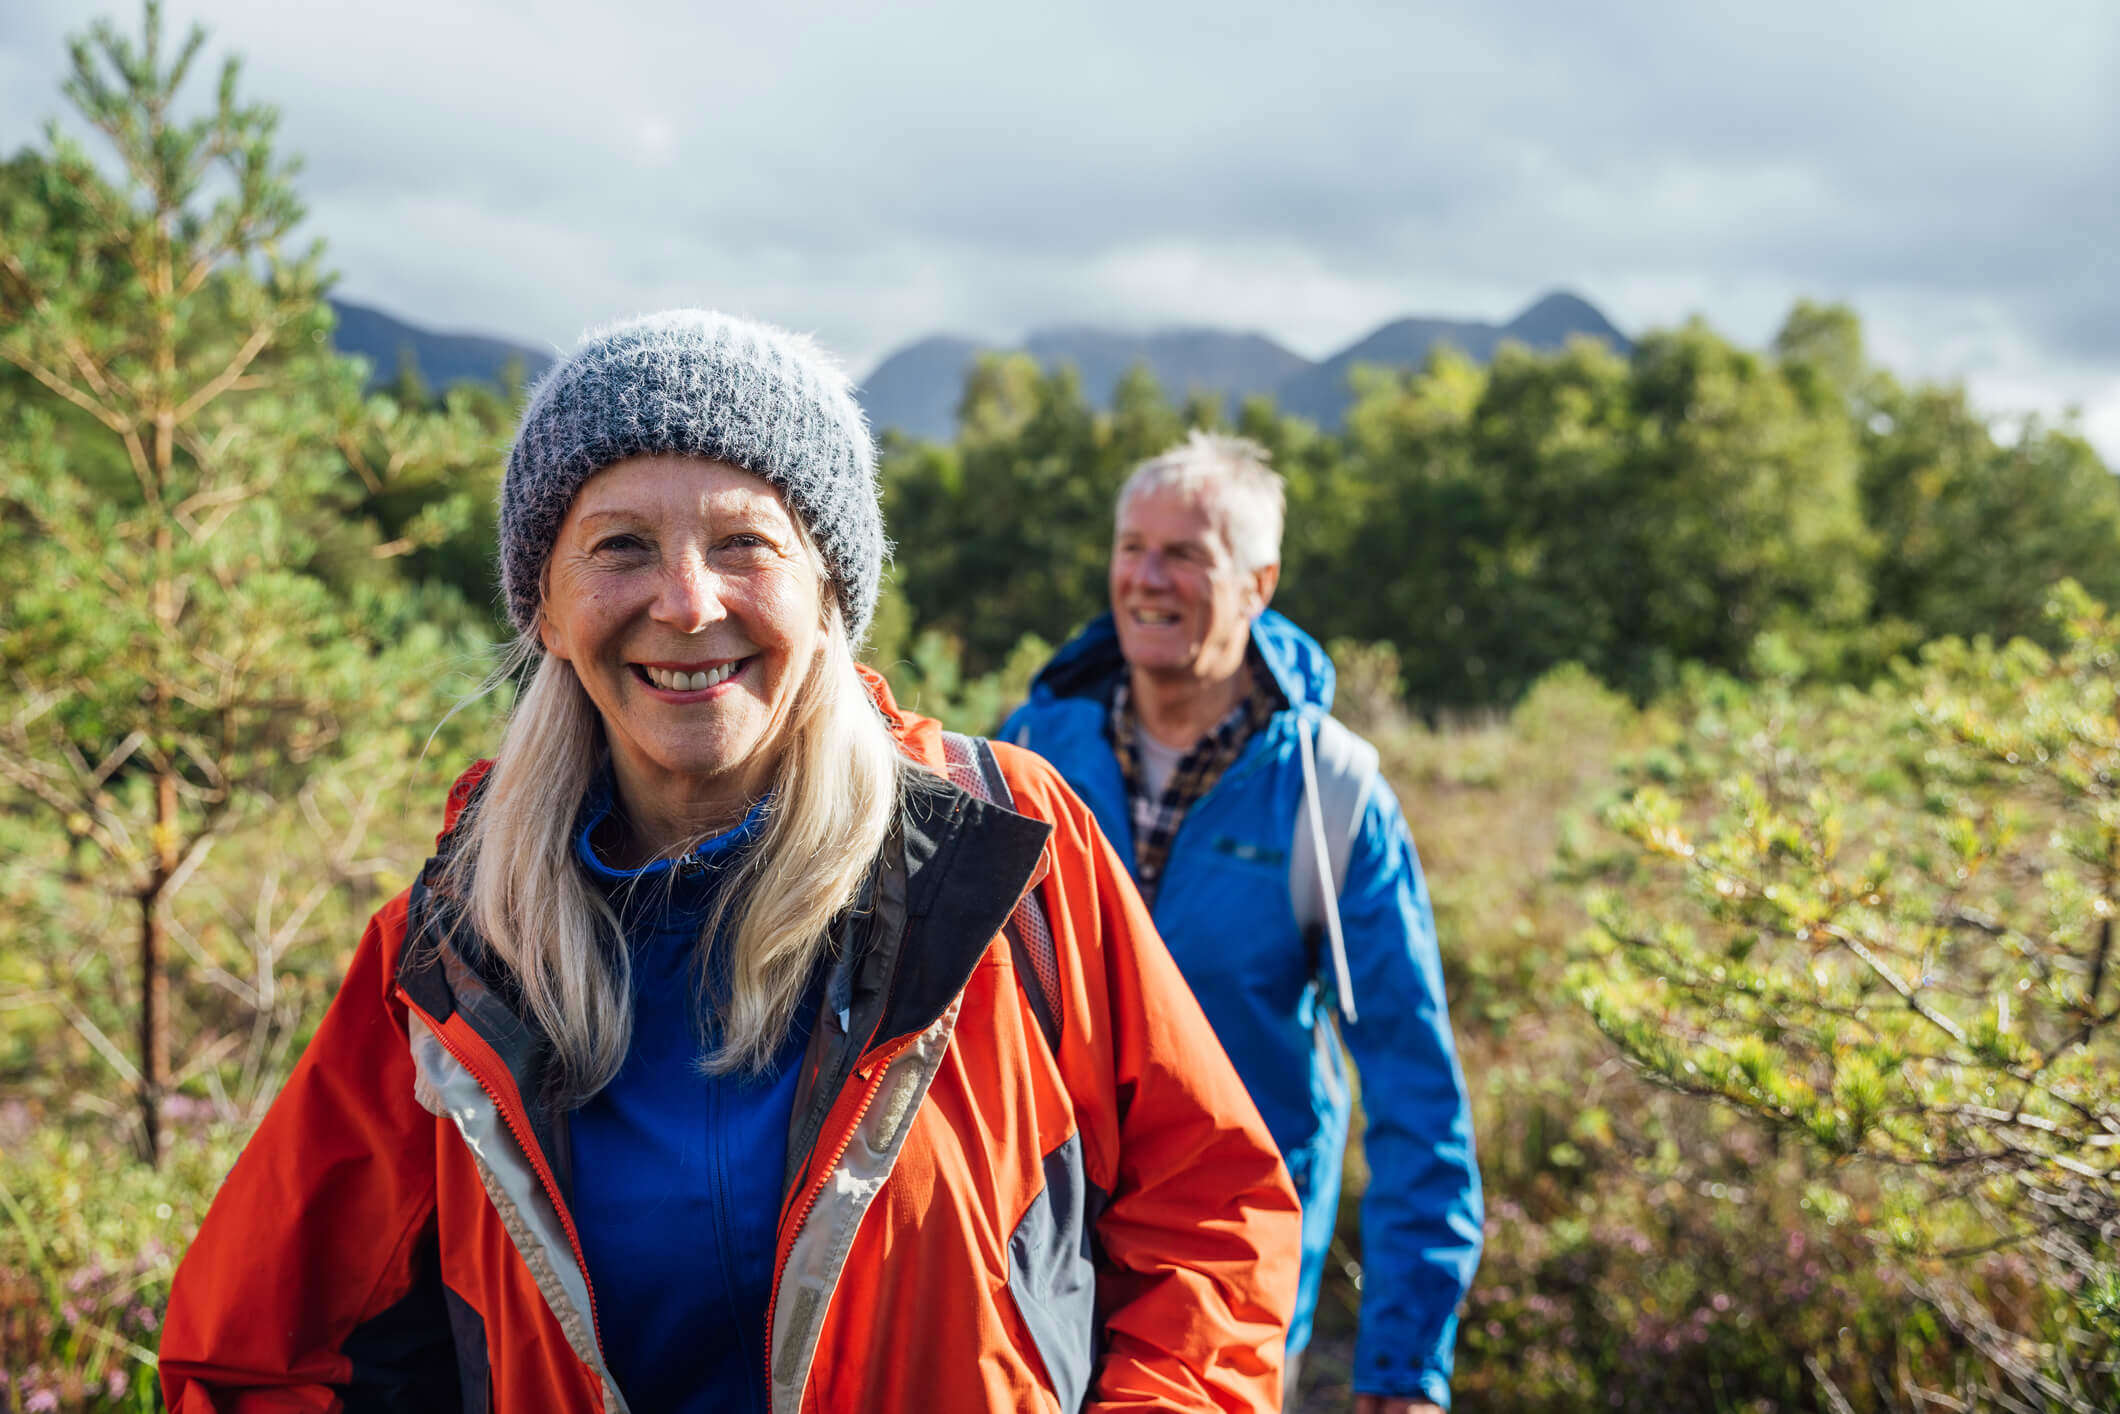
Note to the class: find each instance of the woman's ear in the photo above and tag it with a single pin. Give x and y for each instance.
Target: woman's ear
(550, 636)
(547, 632)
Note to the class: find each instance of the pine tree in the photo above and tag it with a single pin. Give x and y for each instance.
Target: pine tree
(186, 656)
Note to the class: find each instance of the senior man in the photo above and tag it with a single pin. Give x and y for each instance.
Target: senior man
(1193, 720)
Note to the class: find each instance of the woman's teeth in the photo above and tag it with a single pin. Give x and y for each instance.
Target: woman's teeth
(671, 681)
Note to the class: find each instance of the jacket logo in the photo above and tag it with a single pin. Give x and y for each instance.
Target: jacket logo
(1250, 853)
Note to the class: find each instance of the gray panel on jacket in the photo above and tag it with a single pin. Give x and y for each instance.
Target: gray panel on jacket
(1053, 1273)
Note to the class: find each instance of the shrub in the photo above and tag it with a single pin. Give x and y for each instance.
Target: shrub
(1883, 929)
(88, 1243)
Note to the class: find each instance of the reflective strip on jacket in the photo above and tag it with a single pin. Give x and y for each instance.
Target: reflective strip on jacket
(1223, 907)
(969, 1220)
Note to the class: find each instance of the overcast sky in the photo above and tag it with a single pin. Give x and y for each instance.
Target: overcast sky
(873, 173)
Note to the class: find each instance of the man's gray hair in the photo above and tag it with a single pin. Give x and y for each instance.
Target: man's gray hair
(1232, 476)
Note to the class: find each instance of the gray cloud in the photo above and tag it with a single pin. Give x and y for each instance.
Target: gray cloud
(873, 173)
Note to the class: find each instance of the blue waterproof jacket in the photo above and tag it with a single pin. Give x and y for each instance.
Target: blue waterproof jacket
(1223, 908)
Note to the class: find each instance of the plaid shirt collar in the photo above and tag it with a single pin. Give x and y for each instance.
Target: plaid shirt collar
(1156, 818)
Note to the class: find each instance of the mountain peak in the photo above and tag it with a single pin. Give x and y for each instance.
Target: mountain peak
(1553, 317)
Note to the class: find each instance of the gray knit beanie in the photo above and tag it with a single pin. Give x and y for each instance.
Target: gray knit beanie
(727, 389)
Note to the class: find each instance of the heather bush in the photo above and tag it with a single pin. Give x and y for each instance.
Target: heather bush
(1880, 925)
(88, 1243)
(1643, 1253)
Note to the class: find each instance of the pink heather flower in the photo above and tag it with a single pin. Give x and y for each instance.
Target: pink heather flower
(118, 1383)
(41, 1401)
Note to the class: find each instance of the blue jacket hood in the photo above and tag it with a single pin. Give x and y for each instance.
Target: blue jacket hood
(1091, 659)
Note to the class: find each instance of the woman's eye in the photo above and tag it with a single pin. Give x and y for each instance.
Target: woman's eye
(619, 543)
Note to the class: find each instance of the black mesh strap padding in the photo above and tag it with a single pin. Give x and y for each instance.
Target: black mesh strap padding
(974, 771)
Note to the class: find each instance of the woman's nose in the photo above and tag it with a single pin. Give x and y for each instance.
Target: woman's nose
(690, 596)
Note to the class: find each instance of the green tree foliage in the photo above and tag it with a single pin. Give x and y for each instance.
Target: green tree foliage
(1970, 530)
(1892, 941)
(1629, 515)
(1634, 515)
(212, 675)
(422, 501)
(1006, 532)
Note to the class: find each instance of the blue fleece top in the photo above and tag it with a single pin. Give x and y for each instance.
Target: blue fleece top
(677, 1173)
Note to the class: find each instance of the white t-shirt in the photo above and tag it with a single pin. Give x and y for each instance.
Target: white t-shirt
(1156, 760)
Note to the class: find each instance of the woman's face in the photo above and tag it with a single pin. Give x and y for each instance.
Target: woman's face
(681, 594)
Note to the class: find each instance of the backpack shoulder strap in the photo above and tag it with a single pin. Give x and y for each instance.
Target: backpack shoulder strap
(1347, 769)
(973, 770)
(1338, 770)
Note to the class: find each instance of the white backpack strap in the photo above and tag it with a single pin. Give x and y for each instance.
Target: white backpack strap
(973, 770)
(1338, 768)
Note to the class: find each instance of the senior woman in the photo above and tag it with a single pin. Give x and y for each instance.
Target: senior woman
(727, 1054)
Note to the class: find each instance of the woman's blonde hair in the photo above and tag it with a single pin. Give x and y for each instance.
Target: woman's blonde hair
(834, 793)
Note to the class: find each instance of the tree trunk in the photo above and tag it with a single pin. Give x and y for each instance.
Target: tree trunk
(154, 972)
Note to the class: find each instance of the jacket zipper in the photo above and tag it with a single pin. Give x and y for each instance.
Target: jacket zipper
(530, 1151)
(878, 1064)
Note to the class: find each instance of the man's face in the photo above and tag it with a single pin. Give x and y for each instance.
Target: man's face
(1183, 607)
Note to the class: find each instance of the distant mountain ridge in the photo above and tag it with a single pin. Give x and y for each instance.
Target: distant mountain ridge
(443, 359)
(1235, 365)
(917, 388)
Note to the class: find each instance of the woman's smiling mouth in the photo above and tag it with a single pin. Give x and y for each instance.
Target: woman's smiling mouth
(686, 680)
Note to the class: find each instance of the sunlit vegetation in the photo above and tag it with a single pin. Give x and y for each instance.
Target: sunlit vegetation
(1755, 715)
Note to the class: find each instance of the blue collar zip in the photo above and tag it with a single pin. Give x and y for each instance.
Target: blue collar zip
(682, 889)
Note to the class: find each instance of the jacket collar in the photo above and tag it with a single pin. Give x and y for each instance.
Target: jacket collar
(1089, 662)
(945, 885)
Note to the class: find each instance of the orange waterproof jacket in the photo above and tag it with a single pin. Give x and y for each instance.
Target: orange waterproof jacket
(972, 1218)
